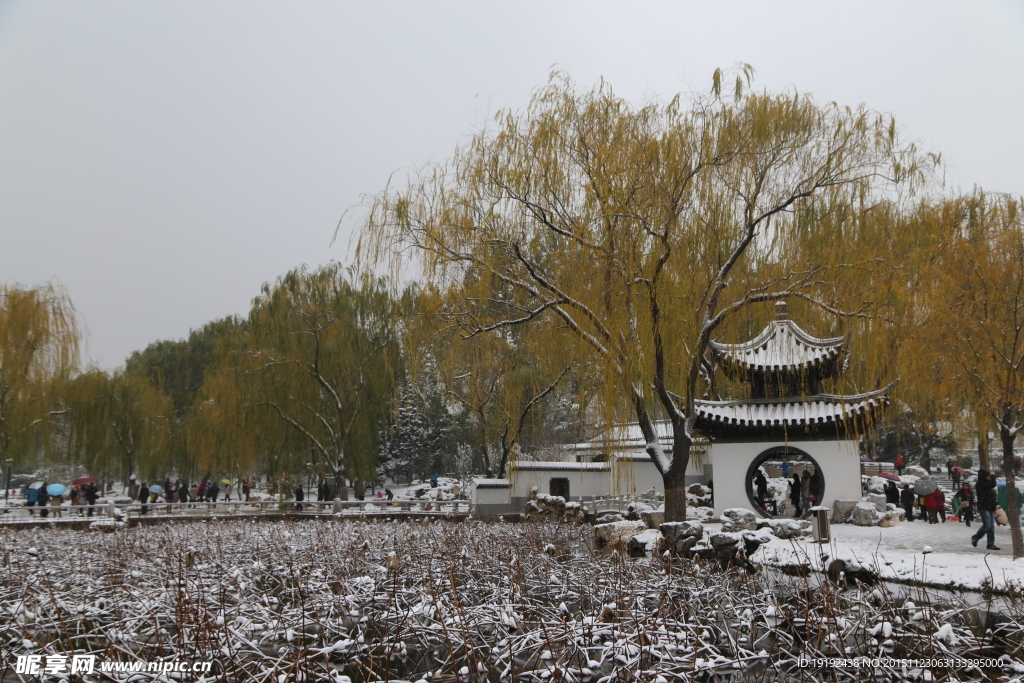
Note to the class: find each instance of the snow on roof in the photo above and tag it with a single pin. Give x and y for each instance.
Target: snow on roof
(568, 466)
(626, 434)
(811, 410)
(781, 346)
(491, 483)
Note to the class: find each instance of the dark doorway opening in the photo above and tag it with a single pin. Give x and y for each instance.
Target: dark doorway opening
(560, 487)
(778, 466)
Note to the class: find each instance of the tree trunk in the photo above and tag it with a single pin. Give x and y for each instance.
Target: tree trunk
(926, 457)
(675, 478)
(1012, 494)
(339, 483)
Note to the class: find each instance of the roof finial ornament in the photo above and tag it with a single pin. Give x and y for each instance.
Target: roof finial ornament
(780, 311)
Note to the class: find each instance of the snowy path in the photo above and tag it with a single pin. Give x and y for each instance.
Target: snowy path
(896, 553)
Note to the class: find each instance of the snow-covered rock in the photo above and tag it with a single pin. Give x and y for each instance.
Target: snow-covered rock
(878, 500)
(916, 471)
(842, 509)
(617, 533)
(738, 519)
(644, 543)
(680, 537)
(865, 514)
(653, 518)
(786, 528)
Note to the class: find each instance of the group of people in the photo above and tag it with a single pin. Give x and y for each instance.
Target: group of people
(966, 502)
(805, 490)
(81, 495)
(931, 507)
(181, 492)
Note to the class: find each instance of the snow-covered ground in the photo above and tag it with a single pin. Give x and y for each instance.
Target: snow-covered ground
(898, 553)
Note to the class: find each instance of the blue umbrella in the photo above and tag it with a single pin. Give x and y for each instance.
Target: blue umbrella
(56, 489)
(156, 488)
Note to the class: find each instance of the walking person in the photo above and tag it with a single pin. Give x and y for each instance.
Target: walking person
(144, 498)
(900, 464)
(299, 496)
(987, 502)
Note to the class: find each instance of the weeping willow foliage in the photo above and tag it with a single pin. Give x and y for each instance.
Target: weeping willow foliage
(118, 425)
(636, 233)
(39, 347)
(306, 384)
(975, 305)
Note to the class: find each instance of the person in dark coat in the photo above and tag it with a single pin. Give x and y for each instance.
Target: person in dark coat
(144, 498)
(794, 493)
(299, 497)
(91, 494)
(967, 503)
(44, 500)
(987, 503)
(892, 494)
(762, 488)
(818, 486)
(805, 493)
(907, 501)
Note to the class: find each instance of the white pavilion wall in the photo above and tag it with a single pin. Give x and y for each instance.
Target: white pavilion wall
(839, 462)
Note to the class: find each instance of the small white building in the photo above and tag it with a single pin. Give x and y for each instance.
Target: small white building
(617, 465)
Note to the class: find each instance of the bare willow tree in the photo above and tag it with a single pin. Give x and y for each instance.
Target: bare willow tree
(39, 340)
(636, 232)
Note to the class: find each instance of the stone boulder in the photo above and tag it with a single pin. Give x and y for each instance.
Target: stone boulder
(865, 514)
(786, 528)
(543, 506)
(739, 546)
(653, 518)
(680, 537)
(609, 517)
(616, 534)
(916, 471)
(878, 500)
(842, 509)
(739, 519)
(698, 495)
(644, 543)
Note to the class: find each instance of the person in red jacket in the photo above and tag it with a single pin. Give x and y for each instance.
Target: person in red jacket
(939, 502)
(899, 465)
(928, 503)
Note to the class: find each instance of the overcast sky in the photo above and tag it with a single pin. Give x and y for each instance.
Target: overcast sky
(163, 159)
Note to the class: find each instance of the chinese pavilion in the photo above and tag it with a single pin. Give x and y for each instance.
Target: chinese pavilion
(787, 416)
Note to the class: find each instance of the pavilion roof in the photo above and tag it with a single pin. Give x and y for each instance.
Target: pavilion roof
(782, 347)
(797, 414)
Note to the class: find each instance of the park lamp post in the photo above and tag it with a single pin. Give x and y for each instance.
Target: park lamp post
(7, 489)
